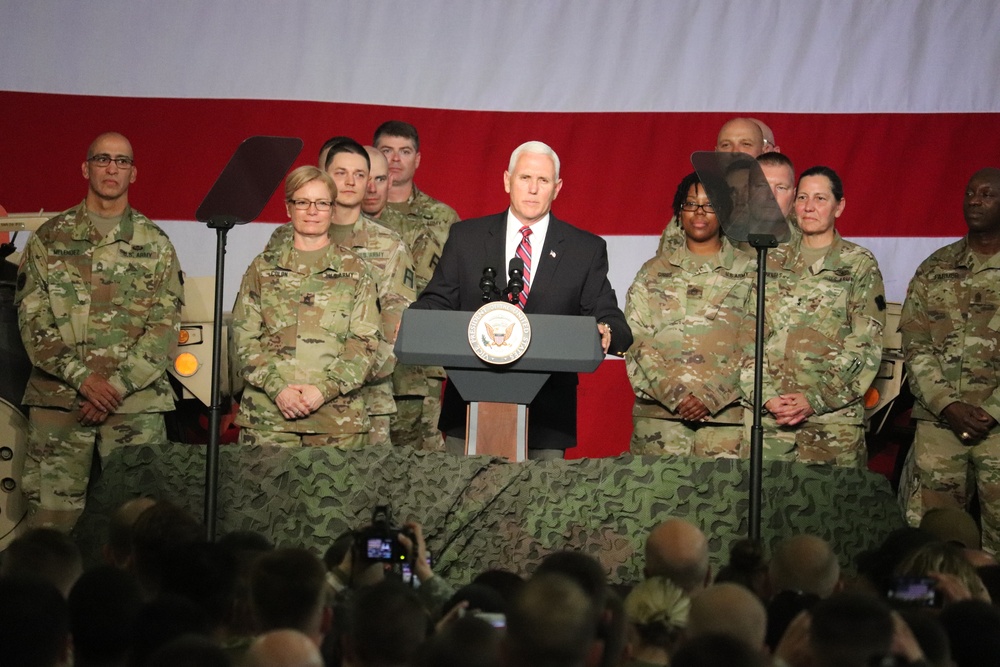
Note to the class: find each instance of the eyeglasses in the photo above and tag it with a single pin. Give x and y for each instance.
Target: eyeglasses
(691, 207)
(304, 204)
(103, 160)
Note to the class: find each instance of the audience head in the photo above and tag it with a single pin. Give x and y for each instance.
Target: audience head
(804, 563)
(477, 597)
(678, 550)
(204, 573)
(46, 553)
(930, 635)
(747, 566)
(388, 624)
(589, 574)
(157, 531)
(953, 526)
(246, 546)
(34, 622)
(189, 651)
(717, 650)
(163, 620)
(658, 610)
(938, 557)
(283, 648)
(550, 622)
(728, 609)
(103, 606)
(465, 642)
(585, 570)
(505, 582)
(878, 565)
(973, 628)
(287, 590)
(850, 630)
(118, 550)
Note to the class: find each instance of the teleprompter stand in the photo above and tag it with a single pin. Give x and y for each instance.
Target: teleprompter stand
(499, 395)
(239, 195)
(748, 212)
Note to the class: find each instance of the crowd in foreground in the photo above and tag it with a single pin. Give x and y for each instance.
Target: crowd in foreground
(166, 597)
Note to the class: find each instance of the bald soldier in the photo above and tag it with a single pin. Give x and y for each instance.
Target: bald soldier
(99, 295)
(741, 135)
(738, 135)
(951, 334)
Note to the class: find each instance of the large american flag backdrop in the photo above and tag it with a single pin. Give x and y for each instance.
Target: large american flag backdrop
(901, 97)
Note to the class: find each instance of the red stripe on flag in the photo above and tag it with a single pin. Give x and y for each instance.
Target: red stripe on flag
(904, 174)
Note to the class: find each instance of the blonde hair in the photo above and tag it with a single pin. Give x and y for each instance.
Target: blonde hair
(659, 610)
(307, 174)
(943, 558)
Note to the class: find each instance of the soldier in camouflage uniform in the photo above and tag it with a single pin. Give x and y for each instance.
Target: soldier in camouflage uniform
(688, 312)
(99, 296)
(390, 266)
(306, 331)
(824, 321)
(951, 338)
(424, 223)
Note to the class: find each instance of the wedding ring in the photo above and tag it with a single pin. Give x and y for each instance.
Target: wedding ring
(966, 435)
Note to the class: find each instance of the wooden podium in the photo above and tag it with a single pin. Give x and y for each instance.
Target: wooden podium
(498, 395)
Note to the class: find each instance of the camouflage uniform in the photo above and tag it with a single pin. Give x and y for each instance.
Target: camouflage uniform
(691, 327)
(671, 238)
(424, 223)
(89, 303)
(823, 339)
(392, 269)
(299, 324)
(951, 337)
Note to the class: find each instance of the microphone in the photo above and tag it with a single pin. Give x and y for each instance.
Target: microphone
(488, 284)
(516, 283)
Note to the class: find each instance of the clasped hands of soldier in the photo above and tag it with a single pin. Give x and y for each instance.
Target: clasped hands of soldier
(100, 399)
(969, 422)
(790, 409)
(299, 400)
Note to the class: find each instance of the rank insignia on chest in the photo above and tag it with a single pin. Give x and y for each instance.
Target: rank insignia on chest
(309, 299)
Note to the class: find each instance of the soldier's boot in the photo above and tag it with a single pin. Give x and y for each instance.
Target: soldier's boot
(61, 520)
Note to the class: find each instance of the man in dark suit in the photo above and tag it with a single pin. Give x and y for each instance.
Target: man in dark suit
(566, 273)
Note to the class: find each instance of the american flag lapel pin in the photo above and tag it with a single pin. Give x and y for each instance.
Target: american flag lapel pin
(552, 254)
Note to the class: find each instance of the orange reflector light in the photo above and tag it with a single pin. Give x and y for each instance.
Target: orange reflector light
(183, 337)
(872, 397)
(186, 364)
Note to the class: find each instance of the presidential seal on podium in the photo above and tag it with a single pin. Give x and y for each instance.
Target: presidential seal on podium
(499, 333)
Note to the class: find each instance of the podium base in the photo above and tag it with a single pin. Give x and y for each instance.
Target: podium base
(497, 429)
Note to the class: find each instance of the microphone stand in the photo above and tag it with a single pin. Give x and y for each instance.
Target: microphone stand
(761, 242)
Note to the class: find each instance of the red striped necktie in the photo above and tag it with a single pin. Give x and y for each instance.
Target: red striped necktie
(524, 252)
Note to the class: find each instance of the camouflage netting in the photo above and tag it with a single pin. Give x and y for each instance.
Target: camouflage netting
(480, 512)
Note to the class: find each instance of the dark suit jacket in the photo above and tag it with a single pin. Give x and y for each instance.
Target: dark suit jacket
(571, 279)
